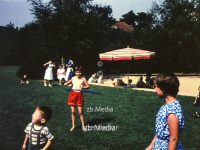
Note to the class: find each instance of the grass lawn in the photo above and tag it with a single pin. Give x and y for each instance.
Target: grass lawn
(133, 112)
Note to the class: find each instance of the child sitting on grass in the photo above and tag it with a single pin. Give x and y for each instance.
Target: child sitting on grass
(24, 80)
(37, 134)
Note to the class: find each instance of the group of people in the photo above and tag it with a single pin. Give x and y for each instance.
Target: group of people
(37, 133)
(169, 119)
(96, 78)
(62, 73)
(149, 82)
(118, 82)
(139, 84)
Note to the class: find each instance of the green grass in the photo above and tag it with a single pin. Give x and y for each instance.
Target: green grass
(133, 112)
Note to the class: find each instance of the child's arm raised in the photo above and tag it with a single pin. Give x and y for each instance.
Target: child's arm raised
(25, 142)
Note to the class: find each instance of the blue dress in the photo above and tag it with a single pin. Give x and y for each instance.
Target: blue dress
(70, 72)
(162, 128)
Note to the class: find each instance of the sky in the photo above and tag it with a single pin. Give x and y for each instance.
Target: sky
(18, 11)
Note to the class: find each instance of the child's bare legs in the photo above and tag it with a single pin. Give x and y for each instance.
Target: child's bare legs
(80, 111)
(45, 82)
(73, 115)
(60, 81)
(50, 84)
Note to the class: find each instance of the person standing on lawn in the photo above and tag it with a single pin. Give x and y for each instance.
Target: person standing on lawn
(48, 76)
(69, 70)
(169, 119)
(61, 74)
(76, 96)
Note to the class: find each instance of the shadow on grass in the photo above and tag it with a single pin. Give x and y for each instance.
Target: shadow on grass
(100, 120)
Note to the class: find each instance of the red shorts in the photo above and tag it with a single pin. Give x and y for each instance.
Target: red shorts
(75, 99)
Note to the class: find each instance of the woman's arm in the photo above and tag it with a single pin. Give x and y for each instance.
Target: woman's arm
(47, 63)
(150, 147)
(173, 124)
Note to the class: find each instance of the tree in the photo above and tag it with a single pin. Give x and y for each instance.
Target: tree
(66, 28)
(179, 24)
(130, 18)
(8, 47)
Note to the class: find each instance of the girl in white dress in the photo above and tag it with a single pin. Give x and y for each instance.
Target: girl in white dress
(48, 76)
(61, 74)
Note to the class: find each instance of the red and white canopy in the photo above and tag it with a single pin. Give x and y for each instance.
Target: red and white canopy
(126, 54)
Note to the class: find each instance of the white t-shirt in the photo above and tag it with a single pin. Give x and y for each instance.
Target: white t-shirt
(78, 83)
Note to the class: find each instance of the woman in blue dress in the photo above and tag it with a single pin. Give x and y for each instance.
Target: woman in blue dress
(169, 119)
(69, 72)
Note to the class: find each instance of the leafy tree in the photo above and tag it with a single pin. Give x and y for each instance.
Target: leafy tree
(80, 30)
(66, 28)
(179, 27)
(130, 18)
(8, 46)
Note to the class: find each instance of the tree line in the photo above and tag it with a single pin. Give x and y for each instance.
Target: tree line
(80, 30)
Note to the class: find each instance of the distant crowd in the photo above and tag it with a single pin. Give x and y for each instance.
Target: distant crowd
(148, 83)
(66, 71)
(140, 83)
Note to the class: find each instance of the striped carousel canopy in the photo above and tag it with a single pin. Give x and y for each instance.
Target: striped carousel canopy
(126, 54)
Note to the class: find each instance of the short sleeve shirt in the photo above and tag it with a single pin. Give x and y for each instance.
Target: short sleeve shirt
(161, 126)
(44, 136)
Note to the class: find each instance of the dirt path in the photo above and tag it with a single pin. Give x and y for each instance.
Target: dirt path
(188, 84)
